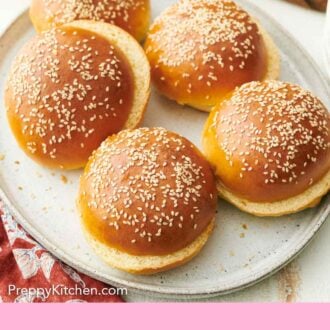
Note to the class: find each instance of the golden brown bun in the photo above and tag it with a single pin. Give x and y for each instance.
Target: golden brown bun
(132, 16)
(308, 199)
(148, 265)
(269, 143)
(147, 192)
(200, 50)
(72, 87)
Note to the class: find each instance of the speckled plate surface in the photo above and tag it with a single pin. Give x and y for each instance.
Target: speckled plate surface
(243, 249)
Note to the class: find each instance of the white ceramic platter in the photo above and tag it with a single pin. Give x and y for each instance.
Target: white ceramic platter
(243, 249)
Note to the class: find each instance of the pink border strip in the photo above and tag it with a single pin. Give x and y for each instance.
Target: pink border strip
(167, 316)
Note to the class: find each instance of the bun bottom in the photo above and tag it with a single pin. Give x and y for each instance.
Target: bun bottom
(273, 66)
(147, 265)
(308, 199)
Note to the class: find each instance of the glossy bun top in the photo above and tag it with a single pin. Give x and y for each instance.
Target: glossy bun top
(269, 141)
(147, 192)
(132, 16)
(68, 90)
(200, 50)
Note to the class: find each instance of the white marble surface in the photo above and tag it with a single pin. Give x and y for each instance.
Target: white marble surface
(307, 278)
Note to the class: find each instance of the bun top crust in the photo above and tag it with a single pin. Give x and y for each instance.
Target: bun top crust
(68, 90)
(147, 192)
(132, 16)
(273, 140)
(200, 50)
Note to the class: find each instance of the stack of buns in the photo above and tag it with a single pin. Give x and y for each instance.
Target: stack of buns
(77, 92)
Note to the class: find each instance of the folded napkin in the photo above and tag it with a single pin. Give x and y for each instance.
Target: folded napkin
(29, 273)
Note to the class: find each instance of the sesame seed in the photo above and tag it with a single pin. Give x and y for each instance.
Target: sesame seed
(206, 37)
(293, 135)
(60, 12)
(156, 199)
(48, 102)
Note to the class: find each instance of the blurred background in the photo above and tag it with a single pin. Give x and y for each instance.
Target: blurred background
(320, 5)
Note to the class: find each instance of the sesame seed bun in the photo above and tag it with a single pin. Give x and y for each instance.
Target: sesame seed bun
(133, 16)
(71, 87)
(269, 144)
(147, 200)
(201, 50)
